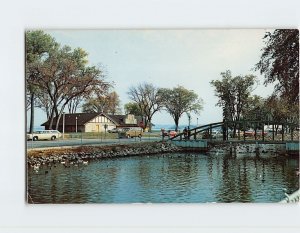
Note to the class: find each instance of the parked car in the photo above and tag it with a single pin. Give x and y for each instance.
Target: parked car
(44, 135)
(172, 133)
(114, 130)
(249, 133)
(131, 133)
(259, 133)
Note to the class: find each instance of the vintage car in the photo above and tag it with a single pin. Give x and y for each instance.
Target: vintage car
(131, 133)
(44, 135)
(114, 130)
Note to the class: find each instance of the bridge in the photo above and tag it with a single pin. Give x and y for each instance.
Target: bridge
(283, 134)
(232, 130)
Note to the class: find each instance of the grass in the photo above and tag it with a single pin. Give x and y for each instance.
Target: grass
(96, 135)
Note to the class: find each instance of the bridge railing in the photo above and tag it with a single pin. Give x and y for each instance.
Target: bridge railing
(239, 129)
(293, 198)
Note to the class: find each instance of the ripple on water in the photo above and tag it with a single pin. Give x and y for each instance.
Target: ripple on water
(190, 178)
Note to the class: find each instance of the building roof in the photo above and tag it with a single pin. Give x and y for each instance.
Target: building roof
(83, 118)
(70, 119)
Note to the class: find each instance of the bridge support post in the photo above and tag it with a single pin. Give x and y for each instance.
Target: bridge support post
(244, 129)
(224, 128)
(255, 131)
(263, 132)
(273, 132)
(226, 132)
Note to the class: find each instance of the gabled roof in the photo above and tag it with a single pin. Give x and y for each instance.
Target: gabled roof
(83, 118)
(70, 118)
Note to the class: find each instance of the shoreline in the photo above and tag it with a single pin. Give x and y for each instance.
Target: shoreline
(81, 154)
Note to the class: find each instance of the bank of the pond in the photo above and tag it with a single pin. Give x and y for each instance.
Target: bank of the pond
(82, 154)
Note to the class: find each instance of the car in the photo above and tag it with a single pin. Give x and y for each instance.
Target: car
(171, 133)
(249, 133)
(114, 130)
(131, 133)
(259, 133)
(44, 135)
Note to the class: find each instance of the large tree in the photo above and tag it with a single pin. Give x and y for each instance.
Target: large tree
(146, 96)
(233, 94)
(64, 76)
(38, 46)
(108, 103)
(179, 100)
(279, 62)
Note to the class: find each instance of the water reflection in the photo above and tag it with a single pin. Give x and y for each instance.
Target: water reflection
(188, 178)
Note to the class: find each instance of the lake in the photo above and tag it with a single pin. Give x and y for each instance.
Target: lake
(168, 178)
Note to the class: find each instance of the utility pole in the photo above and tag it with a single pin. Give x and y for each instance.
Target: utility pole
(76, 124)
(63, 125)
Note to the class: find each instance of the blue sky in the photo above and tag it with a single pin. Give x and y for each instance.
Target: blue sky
(167, 58)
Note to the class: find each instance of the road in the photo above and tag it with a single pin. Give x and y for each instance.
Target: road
(79, 142)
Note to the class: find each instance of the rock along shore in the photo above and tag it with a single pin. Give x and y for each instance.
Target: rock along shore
(77, 155)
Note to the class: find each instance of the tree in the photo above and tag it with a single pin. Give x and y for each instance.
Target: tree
(65, 76)
(280, 62)
(179, 100)
(107, 103)
(133, 108)
(255, 109)
(146, 96)
(281, 110)
(38, 46)
(233, 94)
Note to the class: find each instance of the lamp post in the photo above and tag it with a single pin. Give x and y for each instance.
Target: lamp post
(63, 135)
(76, 124)
(189, 118)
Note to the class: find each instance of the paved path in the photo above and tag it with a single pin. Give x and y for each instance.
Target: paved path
(79, 142)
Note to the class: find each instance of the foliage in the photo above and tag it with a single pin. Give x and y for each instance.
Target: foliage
(38, 46)
(106, 103)
(281, 110)
(179, 100)
(147, 98)
(59, 76)
(279, 62)
(233, 94)
(255, 109)
(133, 108)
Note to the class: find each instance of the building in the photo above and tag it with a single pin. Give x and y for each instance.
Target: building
(93, 122)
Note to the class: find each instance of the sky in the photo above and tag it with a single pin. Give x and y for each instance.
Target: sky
(168, 58)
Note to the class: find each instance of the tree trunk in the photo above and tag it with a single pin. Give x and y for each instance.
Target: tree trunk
(276, 129)
(149, 124)
(57, 121)
(51, 118)
(176, 120)
(59, 116)
(31, 113)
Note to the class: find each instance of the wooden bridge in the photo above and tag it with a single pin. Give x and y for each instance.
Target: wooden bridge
(232, 130)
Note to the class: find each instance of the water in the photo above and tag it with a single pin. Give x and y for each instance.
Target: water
(169, 178)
